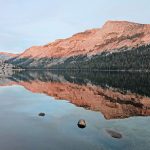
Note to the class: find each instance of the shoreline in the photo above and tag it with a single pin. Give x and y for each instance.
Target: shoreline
(80, 70)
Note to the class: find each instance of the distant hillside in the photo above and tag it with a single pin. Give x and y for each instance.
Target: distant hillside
(118, 45)
(5, 56)
(135, 59)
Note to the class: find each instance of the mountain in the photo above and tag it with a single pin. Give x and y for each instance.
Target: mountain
(6, 56)
(117, 45)
(113, 35)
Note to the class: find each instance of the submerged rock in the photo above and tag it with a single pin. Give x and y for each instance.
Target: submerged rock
(81, 123)
(41, 114)
(114, 134)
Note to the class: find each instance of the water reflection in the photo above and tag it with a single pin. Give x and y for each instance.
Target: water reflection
(115, 95)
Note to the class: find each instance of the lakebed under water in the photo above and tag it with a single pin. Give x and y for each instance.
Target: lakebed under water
(116, 103)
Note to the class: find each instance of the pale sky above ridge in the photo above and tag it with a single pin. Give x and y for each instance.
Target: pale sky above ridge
(24, 23)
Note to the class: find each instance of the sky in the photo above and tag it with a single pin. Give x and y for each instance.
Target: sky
(26, 23)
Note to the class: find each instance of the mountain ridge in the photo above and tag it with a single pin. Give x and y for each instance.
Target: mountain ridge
(112, 37)
(98, 36)
(5, 55)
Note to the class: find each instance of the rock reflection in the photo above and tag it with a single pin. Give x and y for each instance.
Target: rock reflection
(113, 102)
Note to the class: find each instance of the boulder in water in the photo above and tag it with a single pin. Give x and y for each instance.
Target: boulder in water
(42, 114)
(81, 123)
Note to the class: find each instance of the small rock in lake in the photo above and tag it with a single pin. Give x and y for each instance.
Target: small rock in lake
(114, 134)
(42, 114)
(81, 123)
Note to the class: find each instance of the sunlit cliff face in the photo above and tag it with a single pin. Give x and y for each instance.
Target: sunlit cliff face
(111, 102)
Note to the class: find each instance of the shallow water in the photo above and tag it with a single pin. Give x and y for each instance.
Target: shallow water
(104, 103)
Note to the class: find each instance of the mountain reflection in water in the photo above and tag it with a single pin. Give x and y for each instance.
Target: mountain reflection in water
(115, 95)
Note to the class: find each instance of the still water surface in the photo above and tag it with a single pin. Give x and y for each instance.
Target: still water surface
(117, 102)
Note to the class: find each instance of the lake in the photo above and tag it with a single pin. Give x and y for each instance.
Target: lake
(114, 105)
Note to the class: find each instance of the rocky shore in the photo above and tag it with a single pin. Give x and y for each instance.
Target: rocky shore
(6, 69)
(5, 66)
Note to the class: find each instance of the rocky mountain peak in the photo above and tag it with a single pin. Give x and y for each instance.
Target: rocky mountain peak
(113, 35)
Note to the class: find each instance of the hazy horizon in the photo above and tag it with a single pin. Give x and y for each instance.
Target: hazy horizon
(27, 23)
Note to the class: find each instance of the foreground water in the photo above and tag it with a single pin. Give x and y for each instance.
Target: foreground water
(116, 102)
